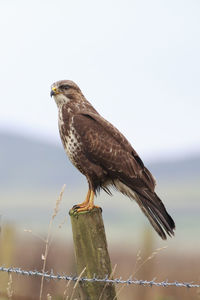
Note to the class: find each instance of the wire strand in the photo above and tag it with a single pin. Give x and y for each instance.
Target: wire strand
(50, 276)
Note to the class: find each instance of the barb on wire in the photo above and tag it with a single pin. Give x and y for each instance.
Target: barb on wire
(129, 281)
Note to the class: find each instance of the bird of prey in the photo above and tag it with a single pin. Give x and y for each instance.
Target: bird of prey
(100, 152)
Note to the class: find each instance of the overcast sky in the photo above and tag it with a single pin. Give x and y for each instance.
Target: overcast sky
(138, 62)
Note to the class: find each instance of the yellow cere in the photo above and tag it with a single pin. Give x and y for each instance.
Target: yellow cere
(54, 89)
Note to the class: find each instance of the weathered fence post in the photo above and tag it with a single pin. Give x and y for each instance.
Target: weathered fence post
(91, 252)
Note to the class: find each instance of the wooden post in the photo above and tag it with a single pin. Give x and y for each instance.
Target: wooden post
(91, 252)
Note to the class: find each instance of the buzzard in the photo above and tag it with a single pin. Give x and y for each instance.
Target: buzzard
(100, 152)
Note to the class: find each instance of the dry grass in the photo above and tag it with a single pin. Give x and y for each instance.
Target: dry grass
(76, 284)
(136, 269)
(163, 265)
(47, 241)
(10, 287)
(110, 277)
(145, 264)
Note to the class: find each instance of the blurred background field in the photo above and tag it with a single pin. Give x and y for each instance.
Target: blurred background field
(26, 253)
(138, 63)
(32, 177)
(29, 189)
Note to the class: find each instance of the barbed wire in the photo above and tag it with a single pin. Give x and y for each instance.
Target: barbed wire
(106, 279)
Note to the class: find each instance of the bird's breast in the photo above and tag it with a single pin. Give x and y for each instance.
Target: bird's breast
(72, 145)
(70, 139)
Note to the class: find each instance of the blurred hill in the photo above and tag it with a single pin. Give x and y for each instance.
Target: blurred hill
(33, 171)
(30, 162)
(183, 169)
(26, 162)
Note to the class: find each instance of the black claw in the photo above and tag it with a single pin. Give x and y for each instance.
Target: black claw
(75, 207)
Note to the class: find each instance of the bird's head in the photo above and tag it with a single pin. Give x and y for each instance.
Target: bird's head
(64, 91)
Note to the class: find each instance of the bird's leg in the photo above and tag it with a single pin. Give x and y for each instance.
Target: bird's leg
(85, 203)
(90, 204)
(91, 201)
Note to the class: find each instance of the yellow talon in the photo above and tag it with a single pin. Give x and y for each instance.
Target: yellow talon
(85, 203)
(88, 204)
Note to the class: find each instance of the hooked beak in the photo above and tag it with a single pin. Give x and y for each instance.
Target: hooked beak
(54, 91)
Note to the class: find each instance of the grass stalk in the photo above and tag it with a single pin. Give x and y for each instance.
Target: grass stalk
(47, 241)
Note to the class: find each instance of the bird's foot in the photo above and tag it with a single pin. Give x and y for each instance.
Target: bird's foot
(84, 203)
(87, 205)
(76, 206)
(82, 208)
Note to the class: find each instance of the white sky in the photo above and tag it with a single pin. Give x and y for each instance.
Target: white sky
(138, 62)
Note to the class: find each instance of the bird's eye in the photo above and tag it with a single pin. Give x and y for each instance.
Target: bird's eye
(64, 87)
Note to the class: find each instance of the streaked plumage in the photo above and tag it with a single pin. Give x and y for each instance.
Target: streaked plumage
(105, 156)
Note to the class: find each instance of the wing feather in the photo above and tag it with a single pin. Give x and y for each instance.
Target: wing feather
(105, 145)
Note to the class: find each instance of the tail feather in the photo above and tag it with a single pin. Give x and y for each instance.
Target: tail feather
(152, 207)
(153, 221)
(157, 215)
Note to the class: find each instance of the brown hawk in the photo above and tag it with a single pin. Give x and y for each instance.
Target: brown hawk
(105, 157)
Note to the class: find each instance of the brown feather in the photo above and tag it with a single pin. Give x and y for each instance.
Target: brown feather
(105, 156)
